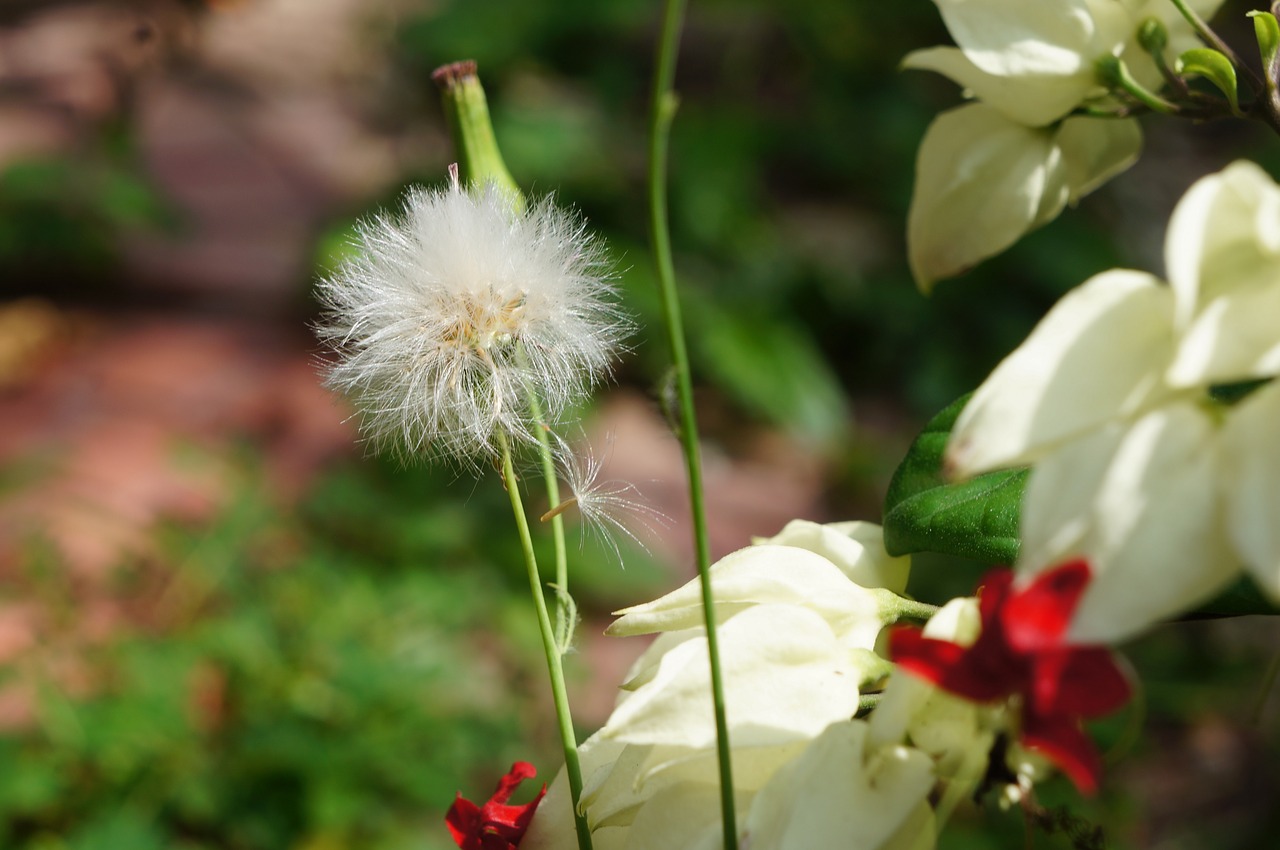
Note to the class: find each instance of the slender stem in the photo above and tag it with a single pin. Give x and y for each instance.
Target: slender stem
(1211, 38)
(901, 608)
(549, 647)
(1116, 74)
(662, 110)
(564, 627)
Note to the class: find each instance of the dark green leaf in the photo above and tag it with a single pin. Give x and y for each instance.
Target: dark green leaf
(976, 519)
(1240, 600)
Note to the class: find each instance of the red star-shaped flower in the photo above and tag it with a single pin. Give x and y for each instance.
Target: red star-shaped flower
(1021, 652)
(495, 825)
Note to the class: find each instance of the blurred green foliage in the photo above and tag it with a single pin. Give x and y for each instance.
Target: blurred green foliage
(68, 212)
(328, 680)
(325, 681)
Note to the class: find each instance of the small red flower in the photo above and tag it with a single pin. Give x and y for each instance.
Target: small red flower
(495, 825)
(1021, 652)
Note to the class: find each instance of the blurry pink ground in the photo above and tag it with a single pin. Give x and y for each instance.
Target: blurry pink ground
(117, 427)
(120, 426)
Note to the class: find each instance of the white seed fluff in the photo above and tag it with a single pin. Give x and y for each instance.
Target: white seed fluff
(453, 312)
(607, 507)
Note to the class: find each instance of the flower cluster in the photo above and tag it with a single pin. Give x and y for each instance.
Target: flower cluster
(992, 170)
(1018, 652)
(1148, 410)
(451, 317)
(798, 620)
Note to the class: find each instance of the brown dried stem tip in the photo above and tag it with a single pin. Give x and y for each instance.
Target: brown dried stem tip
(467, 114)
(448, 76)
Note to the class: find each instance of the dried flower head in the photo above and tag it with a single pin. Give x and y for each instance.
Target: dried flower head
(453, 313)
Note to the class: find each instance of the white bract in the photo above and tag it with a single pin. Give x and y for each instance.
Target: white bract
(1166, 491)
(856, 547)
(451, 314)
(989, 172)
(983, 181)
(796, 644)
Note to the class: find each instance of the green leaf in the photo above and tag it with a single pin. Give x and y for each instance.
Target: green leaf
(1267, 30)
(1240, 600)
(923, 512)
(978, 518)
(1214, 67)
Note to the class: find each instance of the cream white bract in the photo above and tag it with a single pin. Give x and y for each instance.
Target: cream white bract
(796, 642)
(1137, 467)
(993, 170)
(452, 313)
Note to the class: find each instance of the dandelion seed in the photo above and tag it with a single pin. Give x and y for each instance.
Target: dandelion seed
(607, 507)
(457, 309)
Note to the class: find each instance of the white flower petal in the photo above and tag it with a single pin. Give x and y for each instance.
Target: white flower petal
(765, 574)
(1096, 149)
(1234, 338)
(1251, 475)
(787, 676)
(1153, 534)
(1058, 503)
(857, 548)
(1096, 356)
(1018, 38)
(685, 816)
(1223, 238)
(552, 826)
(836, 794)
(1033, 101)
(982, 181)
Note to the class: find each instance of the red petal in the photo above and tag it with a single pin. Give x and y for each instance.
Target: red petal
(1037, 616)
(981, 673)
(993, 592)
(494, 826)
(927, 658)
(1062, 741)
(519, 772)
(463, 820)
(1078, 683)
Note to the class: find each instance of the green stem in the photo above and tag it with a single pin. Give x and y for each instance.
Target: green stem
(899, 608)
(662, 111)
(466, 113)
(1114, 73)
(1211, 38)
(564, 624)
(550, 648)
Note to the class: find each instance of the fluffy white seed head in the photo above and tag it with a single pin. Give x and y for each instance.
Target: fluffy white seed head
(452, 312)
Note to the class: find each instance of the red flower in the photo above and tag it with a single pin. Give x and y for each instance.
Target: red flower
(495, 825)
(1021, 652)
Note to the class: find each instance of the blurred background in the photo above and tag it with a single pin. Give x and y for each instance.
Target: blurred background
(223, 626)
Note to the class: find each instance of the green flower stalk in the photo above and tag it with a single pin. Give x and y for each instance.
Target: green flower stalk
(466, 111)
(465, 326)
(662, 111)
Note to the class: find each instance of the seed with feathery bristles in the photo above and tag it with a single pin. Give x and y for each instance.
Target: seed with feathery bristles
(607, 507)
(452, 313)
